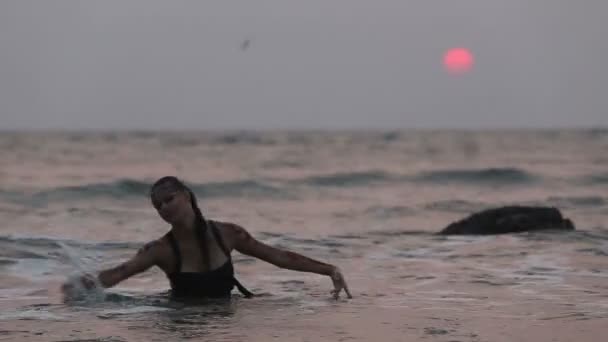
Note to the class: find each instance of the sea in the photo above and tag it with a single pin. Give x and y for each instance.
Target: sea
(369, 202)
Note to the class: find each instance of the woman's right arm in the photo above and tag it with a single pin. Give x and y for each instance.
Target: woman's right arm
(145, 258)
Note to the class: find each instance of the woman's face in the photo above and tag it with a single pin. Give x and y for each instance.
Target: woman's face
(171, 203)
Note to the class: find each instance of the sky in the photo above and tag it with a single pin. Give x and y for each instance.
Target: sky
(314, 64)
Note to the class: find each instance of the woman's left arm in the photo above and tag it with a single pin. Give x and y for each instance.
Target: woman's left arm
(246, 244)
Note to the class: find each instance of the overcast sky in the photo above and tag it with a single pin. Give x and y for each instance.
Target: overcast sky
(255, 64)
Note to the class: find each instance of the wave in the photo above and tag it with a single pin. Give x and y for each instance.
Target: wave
(344, 179)
(129, 188)
(598, 236)
(597, 132)
(596, 179)
(391, 136)
(119, 188)
(245, 138)
(506, 176)
(383, 212)
(9, 244)
(247, 188)
(133, 188)
(46, 247)
(587, 201)
(38, 257)
(189, 139)
(455, 205)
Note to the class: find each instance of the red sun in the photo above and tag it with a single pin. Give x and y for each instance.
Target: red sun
(458, 60)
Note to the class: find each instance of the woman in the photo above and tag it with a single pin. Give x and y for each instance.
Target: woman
(195, 253)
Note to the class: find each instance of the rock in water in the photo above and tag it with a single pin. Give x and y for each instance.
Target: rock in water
(510, 219)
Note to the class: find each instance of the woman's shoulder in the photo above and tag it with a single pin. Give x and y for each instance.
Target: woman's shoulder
(160, 250)
(225, 225)
(156, 246)
(227, 228)
(228, 231)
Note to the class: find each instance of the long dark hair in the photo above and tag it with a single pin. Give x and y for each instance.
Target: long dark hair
(200, 224)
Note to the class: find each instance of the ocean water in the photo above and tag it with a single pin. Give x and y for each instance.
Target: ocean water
(369, 202)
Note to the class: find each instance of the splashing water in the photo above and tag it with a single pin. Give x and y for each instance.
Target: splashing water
(74, 288)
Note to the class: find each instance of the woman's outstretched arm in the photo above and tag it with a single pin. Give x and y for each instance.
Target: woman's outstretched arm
(246, 244)
(145, 258)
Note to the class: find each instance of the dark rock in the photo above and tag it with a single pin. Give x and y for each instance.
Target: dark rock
(510, 219)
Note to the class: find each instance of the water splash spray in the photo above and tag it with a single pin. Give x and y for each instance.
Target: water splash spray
(77, 292)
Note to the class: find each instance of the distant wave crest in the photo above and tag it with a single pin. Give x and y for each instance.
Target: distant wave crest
(577, 201)
(126, 188)
(597, 179)
(344, 179)
(507, 176)
(116, 189)
(238, 188)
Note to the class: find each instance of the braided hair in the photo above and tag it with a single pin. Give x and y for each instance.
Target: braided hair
(200, 224)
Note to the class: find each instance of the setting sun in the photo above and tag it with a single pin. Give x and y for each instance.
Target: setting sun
(458, 60)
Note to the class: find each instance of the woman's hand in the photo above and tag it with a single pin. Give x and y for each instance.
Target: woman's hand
(339, 283)
(76, 286)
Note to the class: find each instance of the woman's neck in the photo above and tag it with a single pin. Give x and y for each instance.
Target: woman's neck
(186, 227)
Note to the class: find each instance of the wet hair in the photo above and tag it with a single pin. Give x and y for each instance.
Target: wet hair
(199, 220)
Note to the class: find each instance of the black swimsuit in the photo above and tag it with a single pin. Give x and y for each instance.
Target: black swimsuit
(217, 283)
